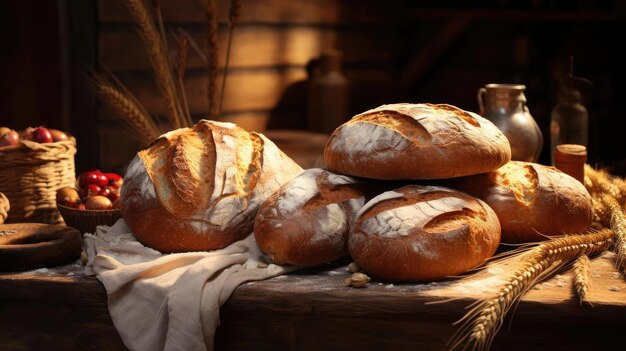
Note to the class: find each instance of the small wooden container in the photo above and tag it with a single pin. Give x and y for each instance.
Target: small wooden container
(570, 159)
(87, 220)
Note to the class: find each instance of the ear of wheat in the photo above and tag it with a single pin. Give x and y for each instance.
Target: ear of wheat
(481, 324)
(582, 277)
(169, 81)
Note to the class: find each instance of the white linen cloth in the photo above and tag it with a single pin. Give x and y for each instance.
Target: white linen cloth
(170, 301)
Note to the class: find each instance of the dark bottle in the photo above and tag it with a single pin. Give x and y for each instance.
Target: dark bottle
(328, 95)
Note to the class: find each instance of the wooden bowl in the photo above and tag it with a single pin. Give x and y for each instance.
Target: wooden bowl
(86, 221)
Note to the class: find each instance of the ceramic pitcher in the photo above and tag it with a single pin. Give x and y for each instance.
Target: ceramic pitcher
(505, 106)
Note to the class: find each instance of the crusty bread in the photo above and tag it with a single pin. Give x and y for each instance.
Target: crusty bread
(422, 233)
(531, 200)
(200, 188)
(307, 221)
(416, 141)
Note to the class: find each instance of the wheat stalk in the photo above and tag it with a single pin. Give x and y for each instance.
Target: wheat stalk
(483, 322)
(582, 277)
(127, 108)
(233, 17)
(212, 56)
(157, 52)
(183, 47)
(618, 224)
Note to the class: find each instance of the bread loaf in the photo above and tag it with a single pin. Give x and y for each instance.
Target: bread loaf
(531, 200)
(416, 141)
(308, 220)
(4, 208)
(422, 233)
(200, 188)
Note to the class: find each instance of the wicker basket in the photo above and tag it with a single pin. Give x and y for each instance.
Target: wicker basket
(86, 221)
(4, 208)
(30, 175)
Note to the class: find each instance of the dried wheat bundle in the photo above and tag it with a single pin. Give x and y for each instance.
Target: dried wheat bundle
(618, 225)
(156, 46)
(482, 322)
(128, 109)
(233, 17)
(212, 55)
(582, 277)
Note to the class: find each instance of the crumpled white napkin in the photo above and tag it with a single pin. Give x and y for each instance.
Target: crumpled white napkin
(170, 301)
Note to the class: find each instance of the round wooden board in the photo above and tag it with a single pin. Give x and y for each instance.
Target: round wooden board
(25, 246)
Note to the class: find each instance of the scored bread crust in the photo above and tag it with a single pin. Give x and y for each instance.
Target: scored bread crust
(199, 188)
(416, 141)
(307, 221)
(423, 233)
(531, 200)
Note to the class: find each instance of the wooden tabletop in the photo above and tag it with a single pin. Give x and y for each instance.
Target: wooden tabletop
(313, 310)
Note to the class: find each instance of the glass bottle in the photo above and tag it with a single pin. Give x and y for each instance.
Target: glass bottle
(569, 120)
(328, 95)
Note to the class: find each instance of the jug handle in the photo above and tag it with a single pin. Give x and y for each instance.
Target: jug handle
(537, 129)
(481, 101)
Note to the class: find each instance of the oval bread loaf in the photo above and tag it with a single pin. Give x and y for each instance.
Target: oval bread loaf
(307, 221)
(422, 233)
(531, 200)
(416, 141)
(200, 188)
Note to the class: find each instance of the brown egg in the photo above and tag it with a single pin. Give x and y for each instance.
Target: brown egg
(98, 202)
(68, 196)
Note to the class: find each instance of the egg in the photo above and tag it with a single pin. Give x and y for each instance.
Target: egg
(68, 196)
(97, 203)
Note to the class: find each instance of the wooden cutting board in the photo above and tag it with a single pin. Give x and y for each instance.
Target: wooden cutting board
(25, 246)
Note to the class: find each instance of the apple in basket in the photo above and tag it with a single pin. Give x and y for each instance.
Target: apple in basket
(94, 191)
(8, 137)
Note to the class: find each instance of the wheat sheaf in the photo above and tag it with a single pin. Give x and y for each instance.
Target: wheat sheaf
(479, 326)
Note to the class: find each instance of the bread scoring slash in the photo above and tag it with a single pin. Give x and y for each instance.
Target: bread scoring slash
(307, 221)
(416, 141)
(199, 188)
(423, 233)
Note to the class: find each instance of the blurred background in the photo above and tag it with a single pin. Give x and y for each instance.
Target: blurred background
(385, 51)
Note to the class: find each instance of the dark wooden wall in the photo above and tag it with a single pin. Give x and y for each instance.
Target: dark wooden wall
(272, 45)
(395, 50)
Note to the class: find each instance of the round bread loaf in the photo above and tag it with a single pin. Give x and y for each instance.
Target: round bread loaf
(422, 233)
(200, 188)
(416, 141)
(531, 200)
(308, 220)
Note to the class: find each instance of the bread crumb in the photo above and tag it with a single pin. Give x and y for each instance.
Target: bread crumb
(333, 273)
(560, 284)
(614, 288)
(389, 286)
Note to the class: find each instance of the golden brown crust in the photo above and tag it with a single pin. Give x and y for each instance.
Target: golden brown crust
(531, 200)
(199, 188)
(416, 141)
(422, 233)
(307, 221)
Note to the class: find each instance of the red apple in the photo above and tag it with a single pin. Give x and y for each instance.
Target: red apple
(58, 135)
(42, 135)
(114, 179)
(4, 130)
(113, 194)
(92, 177)
(90, 190)
(9, 138)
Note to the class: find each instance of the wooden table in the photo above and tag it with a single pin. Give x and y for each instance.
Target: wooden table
(62, 309)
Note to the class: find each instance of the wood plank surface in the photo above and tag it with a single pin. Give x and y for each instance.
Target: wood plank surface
(313, 310)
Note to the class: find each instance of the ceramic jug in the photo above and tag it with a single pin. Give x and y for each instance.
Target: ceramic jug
(505, 106)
